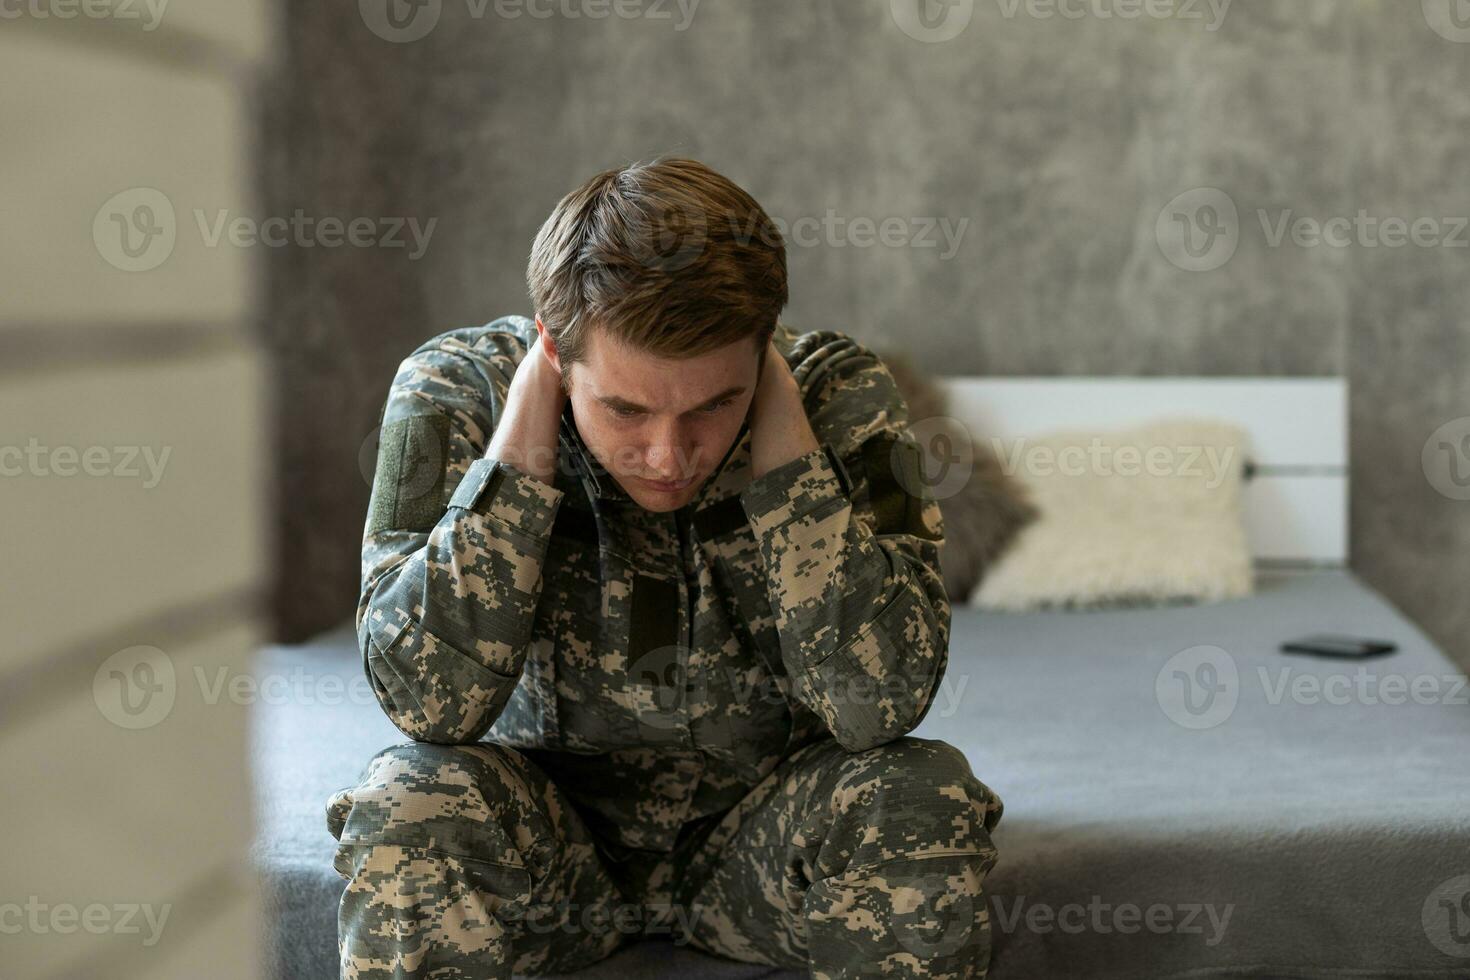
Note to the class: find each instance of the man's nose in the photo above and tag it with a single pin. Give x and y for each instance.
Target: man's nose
(667, 462)
(667, 456)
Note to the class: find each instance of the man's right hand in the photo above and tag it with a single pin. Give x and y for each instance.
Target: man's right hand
(526, 434)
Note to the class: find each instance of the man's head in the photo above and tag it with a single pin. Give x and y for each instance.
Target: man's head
(657, 288)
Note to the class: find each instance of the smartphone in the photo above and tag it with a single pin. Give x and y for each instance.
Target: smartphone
(1328, 645)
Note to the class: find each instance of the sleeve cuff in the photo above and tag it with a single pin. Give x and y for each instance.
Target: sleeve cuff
(795, 489)
(497, 489)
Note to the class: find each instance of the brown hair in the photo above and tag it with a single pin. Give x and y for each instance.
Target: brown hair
(668, 257)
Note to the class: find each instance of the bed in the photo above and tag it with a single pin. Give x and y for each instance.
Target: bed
(1311, 821)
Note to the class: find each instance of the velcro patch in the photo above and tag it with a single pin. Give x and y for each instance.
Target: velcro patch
(408, 487)
(895, 484)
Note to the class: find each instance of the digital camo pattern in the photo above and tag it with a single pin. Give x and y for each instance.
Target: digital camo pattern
(656, 667)
(469, 861)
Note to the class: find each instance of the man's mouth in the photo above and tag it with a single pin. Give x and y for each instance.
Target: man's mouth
(664, 487)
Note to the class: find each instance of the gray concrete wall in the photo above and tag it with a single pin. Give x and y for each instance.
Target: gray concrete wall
(1050, 144)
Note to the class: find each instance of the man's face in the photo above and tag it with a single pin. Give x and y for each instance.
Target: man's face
(660, 426)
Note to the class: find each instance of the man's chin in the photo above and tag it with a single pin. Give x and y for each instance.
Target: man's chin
(651, 498)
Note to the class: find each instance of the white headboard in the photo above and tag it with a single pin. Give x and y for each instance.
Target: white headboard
(1296, 496)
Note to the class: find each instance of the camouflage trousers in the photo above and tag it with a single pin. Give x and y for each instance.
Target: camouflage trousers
(467, 862)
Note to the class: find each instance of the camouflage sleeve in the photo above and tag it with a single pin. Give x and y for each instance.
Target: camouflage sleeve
(850, 538)
(452, 549)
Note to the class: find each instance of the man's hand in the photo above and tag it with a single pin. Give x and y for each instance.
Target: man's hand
(779, 430)
(525, 436)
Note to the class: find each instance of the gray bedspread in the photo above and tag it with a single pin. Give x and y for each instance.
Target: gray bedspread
(1182, 800)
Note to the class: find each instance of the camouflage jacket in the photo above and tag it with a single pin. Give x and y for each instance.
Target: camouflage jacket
(656, 665)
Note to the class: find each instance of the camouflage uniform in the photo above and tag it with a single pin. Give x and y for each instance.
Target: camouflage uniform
(626, 722)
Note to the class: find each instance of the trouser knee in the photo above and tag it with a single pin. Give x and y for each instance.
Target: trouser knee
(463, 801)
(911, 798)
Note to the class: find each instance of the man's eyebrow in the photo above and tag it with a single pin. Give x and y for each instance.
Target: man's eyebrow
(615, 402)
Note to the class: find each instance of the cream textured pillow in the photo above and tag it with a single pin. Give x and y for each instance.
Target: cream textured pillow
(1147, 514)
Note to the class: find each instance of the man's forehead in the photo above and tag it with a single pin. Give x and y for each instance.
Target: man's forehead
(617, 372)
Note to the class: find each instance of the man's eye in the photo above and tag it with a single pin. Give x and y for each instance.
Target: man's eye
(712, 409)
(623, 413)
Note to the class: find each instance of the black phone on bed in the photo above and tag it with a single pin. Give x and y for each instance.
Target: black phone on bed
(1333, 645)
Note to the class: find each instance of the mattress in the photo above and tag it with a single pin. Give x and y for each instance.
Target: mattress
(1181, 799)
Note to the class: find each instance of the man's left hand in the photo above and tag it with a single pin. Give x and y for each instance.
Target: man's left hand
(779, 430)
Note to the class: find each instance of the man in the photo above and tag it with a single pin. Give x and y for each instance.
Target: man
(653, 585)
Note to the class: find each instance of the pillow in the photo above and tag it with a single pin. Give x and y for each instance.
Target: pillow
(1147, 514)
(983, 506)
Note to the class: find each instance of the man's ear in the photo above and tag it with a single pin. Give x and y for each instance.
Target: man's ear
(548, 345)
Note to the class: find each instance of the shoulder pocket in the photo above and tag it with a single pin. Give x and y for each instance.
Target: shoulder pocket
(895, 473)
(408, 485)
